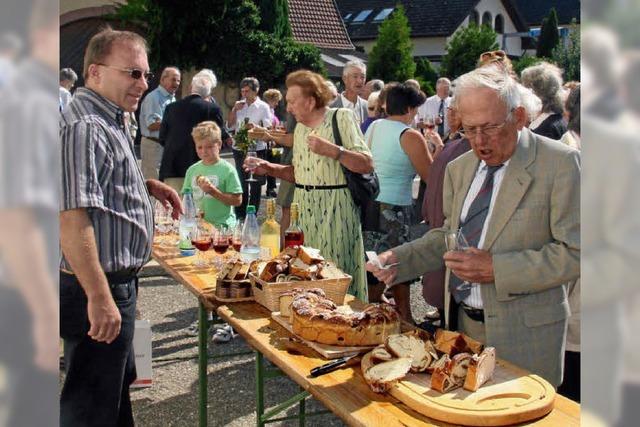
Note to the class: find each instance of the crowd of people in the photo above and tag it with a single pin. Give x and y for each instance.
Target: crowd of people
(497, 156)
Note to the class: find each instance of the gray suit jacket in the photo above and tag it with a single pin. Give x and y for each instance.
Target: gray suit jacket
(361, 104)
(534, 237)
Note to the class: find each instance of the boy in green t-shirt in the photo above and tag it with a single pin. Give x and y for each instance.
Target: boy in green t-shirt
(214, 181)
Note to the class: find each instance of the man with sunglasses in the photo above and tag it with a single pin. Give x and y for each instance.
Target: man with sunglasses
(151, 112)
(106, 231)
(515, 197)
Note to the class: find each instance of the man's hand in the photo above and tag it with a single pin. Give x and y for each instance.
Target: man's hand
(473, 265)
(322, 146)
(166, 195)
(104, 318)
(388, 275)
(239, 105)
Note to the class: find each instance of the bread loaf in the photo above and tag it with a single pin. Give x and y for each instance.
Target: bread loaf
(316, 318)
(310, 255)
(411, 344)
(382, 376)
(481, 368)
(451, 374)
(452, 343)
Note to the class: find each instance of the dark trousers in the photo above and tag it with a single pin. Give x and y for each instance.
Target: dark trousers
(256, 187)
(570, 386)
(271, 181)
(98, 375)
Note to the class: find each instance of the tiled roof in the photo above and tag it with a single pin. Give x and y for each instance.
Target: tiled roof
(334, 59)
(318, 22)
(427, 18)
(534, 12)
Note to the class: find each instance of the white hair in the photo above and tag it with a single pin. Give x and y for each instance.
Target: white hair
(201, 85)
(530, 102)
(210, 75)
(490, 77)
(353, 64)
(332, 87)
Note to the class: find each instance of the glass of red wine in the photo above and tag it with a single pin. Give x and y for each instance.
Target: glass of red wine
(202, 240)
(236, 238)
(220, 244)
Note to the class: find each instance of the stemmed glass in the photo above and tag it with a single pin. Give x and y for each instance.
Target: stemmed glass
(220, 245)
(201, 238)
(236, 241)
(455, 241)
(163, 221)
(251, 154)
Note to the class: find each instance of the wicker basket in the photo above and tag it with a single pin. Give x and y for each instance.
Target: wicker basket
(268, 294)
(233, 290)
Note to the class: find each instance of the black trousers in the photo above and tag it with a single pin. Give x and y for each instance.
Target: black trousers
(98, 375)
(256, 187)
(271, 181)
(570, 386)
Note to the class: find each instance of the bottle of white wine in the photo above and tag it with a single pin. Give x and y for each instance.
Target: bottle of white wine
(270, 230)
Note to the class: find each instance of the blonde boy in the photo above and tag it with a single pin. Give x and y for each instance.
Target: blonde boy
(214, 181)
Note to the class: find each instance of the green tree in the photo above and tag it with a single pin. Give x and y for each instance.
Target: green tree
(222, 35)
(390, 58)
(549, 38)
(464, 49)
(275, 17)
(568, 57)
(426, 75)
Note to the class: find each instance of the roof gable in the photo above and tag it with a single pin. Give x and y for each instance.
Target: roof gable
(318, 22)
(427, 18)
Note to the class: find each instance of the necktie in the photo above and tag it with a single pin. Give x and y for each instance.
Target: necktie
(472, 228)
(441, 114)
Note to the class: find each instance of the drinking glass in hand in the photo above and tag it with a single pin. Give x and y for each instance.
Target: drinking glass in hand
(163, 221)
(202, 239)
(455, 241)
(251, 157)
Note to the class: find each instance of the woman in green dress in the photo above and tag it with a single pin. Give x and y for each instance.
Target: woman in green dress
(328, 216)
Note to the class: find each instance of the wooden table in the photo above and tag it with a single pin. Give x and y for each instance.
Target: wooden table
(344, 391)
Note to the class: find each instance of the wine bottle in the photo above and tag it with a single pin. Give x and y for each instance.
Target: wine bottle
(270, 230)
(294, 236)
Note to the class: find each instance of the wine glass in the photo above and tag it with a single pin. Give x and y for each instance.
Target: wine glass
(237, 237)
(201, 238)
(163, 221)
(455, 241)
(220, 245)
(251, 154)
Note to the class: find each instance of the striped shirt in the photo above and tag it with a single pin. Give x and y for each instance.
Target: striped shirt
(100, 174)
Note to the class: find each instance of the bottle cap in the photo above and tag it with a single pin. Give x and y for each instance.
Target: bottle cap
(251, 209)
(187, 190)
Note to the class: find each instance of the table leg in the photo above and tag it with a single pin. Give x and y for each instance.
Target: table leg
(301, 411)
(259, 389)
(203, 329)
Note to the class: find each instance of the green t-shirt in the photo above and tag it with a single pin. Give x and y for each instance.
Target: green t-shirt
(222, 175)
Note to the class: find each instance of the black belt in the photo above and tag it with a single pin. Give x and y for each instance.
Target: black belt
(476, 314)
(320, 187)
(114, 277)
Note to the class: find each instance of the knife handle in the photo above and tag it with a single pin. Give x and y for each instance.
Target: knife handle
(328, 367)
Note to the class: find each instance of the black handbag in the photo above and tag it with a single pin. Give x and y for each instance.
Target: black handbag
(364, 188)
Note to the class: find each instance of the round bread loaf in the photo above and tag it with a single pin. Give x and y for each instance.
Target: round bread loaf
(316, 318)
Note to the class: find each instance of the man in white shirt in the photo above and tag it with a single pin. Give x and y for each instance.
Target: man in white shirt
(436, 106)
(354, 75)
(151, 113)
(516, 199)
(256, 112)
(68, 79)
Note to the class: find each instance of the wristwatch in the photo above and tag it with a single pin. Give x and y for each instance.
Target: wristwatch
(341, 148)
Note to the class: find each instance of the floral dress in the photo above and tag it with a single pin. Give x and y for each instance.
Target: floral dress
(329, 218)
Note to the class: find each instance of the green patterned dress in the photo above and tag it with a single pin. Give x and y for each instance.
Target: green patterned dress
(329, 218)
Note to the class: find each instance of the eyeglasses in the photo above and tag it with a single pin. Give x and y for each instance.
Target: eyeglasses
(471, 132)
(494, 55)
(133, 72)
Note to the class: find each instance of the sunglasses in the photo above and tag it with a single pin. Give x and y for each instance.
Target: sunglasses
(495, 55)
(133, 72)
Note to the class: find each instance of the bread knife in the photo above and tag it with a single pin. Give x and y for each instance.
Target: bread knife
(331, 366)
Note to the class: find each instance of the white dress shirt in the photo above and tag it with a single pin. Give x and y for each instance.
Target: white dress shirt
(431, 107)
(258, 111)
(475, 298)
(353, 107)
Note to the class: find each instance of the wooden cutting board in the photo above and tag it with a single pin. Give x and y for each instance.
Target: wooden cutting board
(327, 351)
(512, 396)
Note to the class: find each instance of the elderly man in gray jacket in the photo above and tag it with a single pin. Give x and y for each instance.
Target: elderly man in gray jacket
(354, 75)
(516, 199)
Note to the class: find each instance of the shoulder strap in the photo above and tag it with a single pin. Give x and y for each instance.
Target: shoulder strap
(336, 130)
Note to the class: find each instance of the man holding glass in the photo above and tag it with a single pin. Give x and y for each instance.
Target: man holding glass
(516, 200)
(106, 231)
